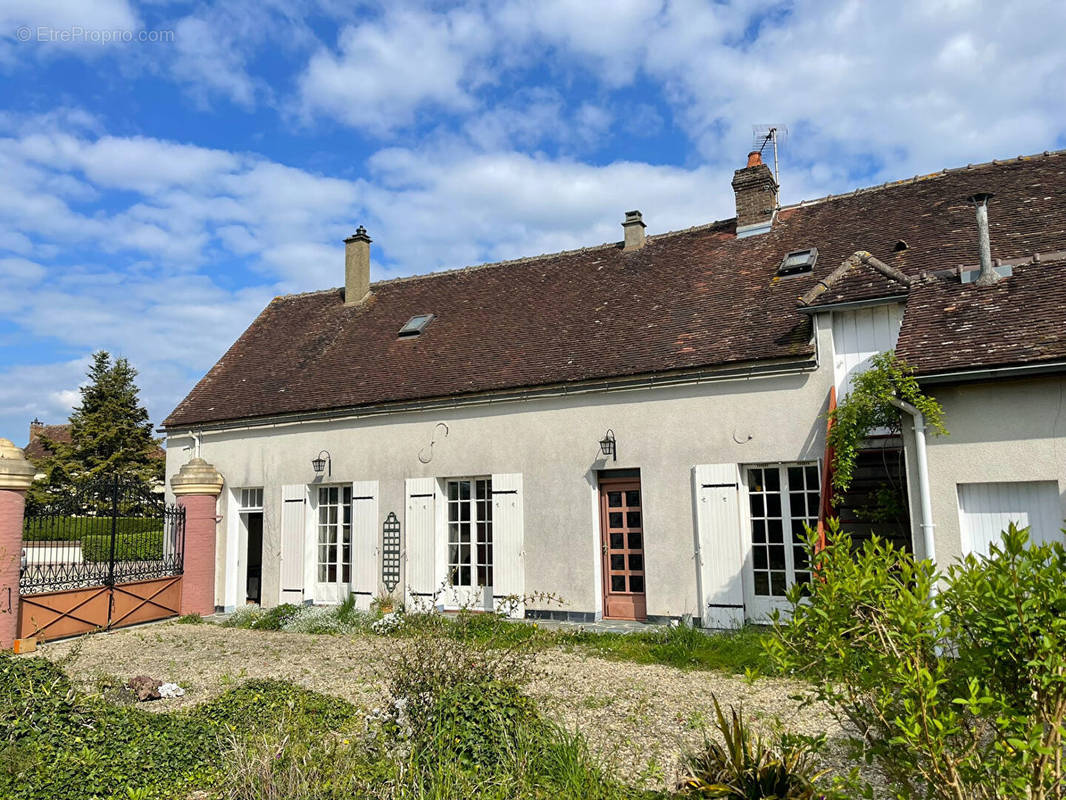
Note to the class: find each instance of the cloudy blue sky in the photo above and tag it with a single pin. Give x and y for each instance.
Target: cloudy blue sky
(166, 168)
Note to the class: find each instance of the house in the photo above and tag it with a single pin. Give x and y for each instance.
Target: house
(37, 451)
(638, 427)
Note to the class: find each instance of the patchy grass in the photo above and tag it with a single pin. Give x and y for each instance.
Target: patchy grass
(740, 652)
(451, 728)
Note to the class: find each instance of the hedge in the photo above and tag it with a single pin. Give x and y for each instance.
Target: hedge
(71, 529)
(146, 546)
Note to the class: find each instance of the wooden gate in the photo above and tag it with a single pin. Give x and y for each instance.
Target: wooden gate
(108, 553)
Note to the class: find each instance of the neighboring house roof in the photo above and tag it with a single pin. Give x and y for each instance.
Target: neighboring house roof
(691, 299)
(35, 449)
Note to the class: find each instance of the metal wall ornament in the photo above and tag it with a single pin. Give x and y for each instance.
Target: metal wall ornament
(425, 455)
(390, 552)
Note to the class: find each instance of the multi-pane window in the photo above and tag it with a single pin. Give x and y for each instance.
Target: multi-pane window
(470, 532)
(782, 500)
(334, 534)
(251, 499)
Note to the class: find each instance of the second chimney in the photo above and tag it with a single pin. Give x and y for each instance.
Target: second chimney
(756, 192)
(634, 230)
(356, 267)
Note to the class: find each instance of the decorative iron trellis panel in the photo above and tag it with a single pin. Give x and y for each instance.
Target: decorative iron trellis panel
(390, 551)
(105, 531)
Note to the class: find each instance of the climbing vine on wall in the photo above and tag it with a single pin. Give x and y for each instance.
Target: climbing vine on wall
(867, 408)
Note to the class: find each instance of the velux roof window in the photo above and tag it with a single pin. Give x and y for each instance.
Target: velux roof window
(798, 261)
(415, 325)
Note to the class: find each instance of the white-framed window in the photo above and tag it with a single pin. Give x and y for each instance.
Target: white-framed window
(334, 534)
(252, 499)
(470, 532)
(782, 500)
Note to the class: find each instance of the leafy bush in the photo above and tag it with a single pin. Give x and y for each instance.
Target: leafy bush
(956, 694)
(59, 743)
(745, 767)
(72, 529)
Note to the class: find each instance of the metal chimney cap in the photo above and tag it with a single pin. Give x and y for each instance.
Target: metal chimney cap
(980, 197)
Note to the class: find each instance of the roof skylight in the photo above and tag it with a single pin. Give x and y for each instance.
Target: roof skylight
(798, 261)
(415, 325)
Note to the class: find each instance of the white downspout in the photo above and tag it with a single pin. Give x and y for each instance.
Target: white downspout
(923, 474)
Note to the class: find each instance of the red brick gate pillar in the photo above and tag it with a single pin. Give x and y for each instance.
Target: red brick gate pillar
(197, 486)
(16, 475)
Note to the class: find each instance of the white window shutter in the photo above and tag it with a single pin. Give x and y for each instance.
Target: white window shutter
(716, 489)
(419, 544)
(293, 533)
(508, 545)
(364, 542)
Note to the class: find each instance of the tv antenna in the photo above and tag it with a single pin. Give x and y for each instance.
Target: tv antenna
(763, 135)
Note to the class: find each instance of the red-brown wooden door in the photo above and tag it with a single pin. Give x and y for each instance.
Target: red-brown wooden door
(622, 529)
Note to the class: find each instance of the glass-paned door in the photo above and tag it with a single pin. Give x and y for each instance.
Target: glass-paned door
(334, 550)
(469, 568)
(782, 500)
(622, 531)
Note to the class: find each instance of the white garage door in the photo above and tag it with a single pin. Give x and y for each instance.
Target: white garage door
(985, 510)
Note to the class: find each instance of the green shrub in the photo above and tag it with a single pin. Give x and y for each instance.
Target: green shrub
(745, 767)
(72, 529)
(956, 694)
(190, 619)
(58, 743)
(147, 546)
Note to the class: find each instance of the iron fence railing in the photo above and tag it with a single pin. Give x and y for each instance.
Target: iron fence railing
(107, 531)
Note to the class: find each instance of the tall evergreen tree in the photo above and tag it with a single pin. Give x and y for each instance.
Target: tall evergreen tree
(110, 432)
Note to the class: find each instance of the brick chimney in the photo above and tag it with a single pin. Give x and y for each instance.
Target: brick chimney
(36, 428)
(756, 192)
(634, 231)
(356, 267)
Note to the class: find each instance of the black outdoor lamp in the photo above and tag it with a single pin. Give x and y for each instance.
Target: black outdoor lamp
(321, 463)
(607, 445)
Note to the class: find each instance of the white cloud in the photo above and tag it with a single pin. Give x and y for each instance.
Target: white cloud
(385, 71)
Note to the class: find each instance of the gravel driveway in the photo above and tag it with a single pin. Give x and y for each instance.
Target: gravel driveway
(635, 716)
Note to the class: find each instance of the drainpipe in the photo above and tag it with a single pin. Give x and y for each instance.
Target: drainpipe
(923, 474)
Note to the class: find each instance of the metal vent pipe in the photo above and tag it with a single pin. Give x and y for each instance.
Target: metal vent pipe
(988, 274)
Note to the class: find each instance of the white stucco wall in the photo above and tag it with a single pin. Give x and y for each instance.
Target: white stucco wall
(553, 443)
(1007, 430)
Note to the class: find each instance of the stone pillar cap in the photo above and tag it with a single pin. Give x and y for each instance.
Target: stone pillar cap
(197, 477)
(16, 472)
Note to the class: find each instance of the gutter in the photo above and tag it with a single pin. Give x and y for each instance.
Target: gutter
(923, 475)
(563, 390)
(993, 373)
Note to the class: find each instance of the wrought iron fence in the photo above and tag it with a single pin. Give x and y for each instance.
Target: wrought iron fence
(106, 531)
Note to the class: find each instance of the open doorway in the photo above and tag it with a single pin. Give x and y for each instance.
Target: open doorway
(250, 560)
(253, 582)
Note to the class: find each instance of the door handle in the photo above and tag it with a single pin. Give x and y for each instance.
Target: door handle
(605, 548)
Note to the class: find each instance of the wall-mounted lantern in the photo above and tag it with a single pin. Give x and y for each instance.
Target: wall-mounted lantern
(608, 445)
(321, 463)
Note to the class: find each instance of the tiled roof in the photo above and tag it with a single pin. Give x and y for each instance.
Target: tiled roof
(56, 433)
(689, 299)
(950, 326)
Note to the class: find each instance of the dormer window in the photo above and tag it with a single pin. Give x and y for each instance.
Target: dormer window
(415, 325)
(798, 261)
